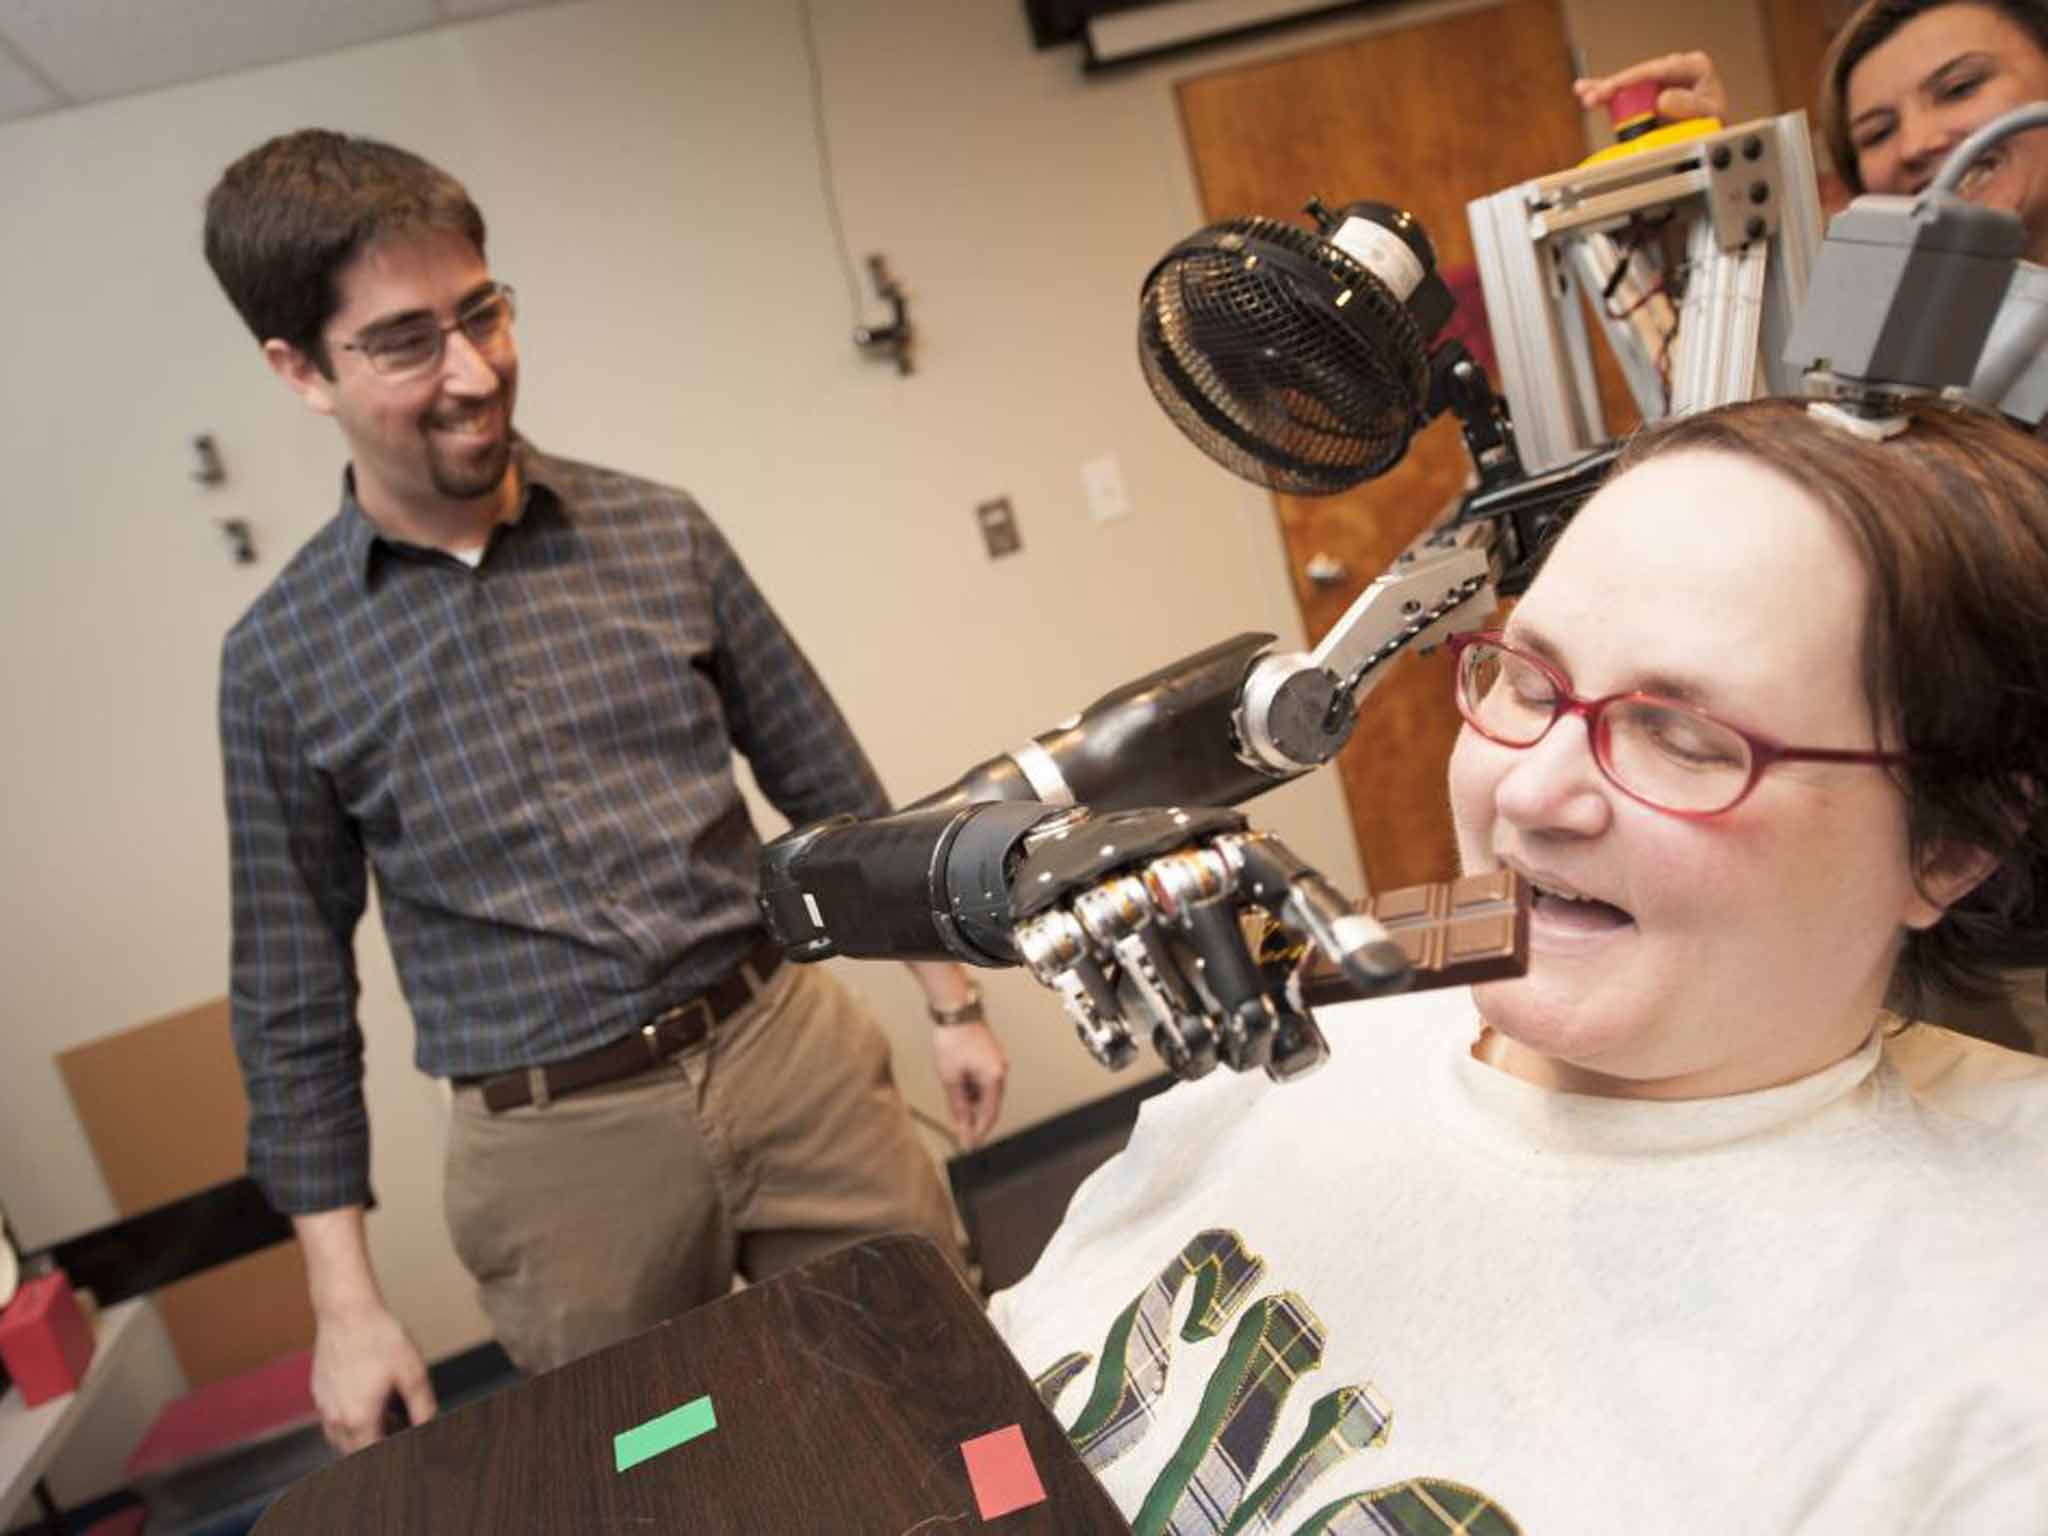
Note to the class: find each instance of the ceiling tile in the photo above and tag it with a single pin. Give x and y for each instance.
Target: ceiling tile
(96, 49)
(464, 9)
(22, 94)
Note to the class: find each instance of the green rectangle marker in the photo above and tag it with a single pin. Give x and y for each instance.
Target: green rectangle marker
(663, 1434)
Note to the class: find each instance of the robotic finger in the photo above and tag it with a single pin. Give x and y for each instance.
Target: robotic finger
(1137, 920)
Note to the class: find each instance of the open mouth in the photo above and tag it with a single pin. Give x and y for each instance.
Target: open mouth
(474, 421)
(1980, 172)
(1560, 908)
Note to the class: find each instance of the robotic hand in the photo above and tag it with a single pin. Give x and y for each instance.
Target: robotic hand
(1136, 918)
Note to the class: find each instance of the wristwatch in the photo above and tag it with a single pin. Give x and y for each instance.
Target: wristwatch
(968, 1012)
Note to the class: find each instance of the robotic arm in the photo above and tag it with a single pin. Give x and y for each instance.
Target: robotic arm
(1058, 855)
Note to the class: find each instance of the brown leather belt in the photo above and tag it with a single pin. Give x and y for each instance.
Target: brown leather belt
(673, 1029)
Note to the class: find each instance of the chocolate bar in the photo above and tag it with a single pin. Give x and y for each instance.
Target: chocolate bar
(1454, 932)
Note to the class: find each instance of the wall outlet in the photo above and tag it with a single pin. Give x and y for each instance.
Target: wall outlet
(998, 527)
(1103, 481)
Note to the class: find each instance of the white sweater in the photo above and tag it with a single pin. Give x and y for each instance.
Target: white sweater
(1411, 1290)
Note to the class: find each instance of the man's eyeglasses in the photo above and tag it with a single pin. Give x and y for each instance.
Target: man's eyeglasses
(1668, 755)
(412, 347)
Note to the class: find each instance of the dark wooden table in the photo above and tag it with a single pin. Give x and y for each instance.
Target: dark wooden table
(843, 1392)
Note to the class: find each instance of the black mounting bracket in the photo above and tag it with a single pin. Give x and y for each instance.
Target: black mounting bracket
(891, 340)
(241, 538)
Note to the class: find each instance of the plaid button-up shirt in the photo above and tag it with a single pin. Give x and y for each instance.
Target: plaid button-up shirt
(535, 757)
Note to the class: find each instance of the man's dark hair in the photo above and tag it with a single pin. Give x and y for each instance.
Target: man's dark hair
(288, 216)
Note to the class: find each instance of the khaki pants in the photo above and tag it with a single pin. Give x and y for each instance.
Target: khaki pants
(778, 1139)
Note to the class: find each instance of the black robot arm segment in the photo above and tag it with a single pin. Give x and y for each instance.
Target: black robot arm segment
(1168, 736)
(1232, 721)
(1527, 514)
(929, 884)
(1457, 383)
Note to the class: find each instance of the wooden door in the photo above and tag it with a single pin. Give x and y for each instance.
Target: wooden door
(1796, 35)
(1426, 116)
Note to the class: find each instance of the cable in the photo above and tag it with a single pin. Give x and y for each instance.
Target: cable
(1658, 291)
(1971, 150)
(1628, 254)
(825, 161)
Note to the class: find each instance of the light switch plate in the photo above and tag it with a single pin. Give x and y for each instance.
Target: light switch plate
(999, 527)
(1103, 480)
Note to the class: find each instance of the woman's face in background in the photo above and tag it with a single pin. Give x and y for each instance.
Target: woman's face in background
(1921, 92)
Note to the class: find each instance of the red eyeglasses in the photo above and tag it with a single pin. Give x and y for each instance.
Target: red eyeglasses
(1668, 755)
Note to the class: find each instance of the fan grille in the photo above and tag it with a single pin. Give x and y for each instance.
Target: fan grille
(1250, 345)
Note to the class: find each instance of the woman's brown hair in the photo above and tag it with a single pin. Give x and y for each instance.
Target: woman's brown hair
(1951, 519)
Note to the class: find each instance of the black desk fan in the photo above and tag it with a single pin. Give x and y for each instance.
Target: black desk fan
(1301, 360)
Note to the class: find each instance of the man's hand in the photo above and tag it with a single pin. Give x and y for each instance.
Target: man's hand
(1690, 86)
(969, 1058)
(361, 1353)
(359, 1359)
(972, 1067)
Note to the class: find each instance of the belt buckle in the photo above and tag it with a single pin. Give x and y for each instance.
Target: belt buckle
(651, 1031)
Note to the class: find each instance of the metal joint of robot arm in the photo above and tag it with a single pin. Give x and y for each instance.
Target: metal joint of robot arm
(1298, 709)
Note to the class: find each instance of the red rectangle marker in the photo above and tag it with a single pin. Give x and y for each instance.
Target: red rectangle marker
(999, 1466)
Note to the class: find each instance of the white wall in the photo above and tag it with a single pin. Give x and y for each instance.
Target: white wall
(651, 181)
(1610, 34)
